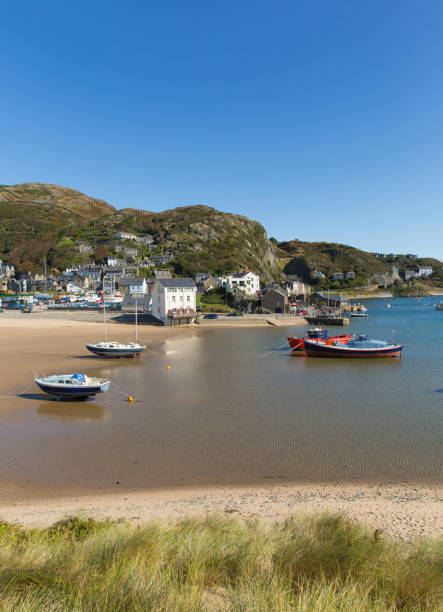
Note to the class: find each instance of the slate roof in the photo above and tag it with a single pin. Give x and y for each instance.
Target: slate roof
(176, 282)
(128, 281)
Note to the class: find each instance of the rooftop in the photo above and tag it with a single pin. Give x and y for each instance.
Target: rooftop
(176, 282)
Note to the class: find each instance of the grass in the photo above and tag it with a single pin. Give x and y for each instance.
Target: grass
(322, 562)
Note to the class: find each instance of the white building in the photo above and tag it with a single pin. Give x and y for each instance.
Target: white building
(248, 282)
(296, 287)
(173, 298)
(125, 236)
(318, 274)
(133, 285)
(424, 271)
(410, 274)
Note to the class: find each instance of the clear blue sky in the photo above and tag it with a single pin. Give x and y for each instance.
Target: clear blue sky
(322, 120)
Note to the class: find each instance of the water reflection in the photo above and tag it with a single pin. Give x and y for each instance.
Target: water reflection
(73, 412)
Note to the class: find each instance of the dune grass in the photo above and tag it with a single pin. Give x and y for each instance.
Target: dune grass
(308, 562)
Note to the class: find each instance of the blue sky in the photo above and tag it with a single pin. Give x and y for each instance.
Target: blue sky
(322, 120)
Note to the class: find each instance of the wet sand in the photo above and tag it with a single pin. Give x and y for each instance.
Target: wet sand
(55, 343)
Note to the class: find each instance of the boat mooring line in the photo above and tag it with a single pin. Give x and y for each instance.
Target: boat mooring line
(114, 388)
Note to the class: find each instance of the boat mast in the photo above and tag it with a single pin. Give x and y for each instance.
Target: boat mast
(104, 314)
(136, 329)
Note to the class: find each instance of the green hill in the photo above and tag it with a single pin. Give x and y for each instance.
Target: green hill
(306, 258)
(61, 197)
(39, 221)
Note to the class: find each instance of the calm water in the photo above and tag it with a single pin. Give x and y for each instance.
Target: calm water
(235, 408)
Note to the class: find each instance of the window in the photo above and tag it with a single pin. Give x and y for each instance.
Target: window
(173, 298)
(188, 298)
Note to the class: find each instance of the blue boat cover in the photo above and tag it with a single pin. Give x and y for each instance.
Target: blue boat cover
(80, 377)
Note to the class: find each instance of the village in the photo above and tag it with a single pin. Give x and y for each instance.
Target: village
(128, 277)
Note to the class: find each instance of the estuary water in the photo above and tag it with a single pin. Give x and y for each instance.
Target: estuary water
(234, 406)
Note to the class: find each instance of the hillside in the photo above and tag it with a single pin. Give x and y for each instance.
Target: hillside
(306, 258)
(203, 239)
(62, 197)
(39, 221)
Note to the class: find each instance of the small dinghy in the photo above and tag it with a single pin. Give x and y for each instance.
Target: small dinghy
(72, 386)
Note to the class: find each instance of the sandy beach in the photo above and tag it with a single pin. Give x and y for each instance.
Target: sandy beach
(55, 343)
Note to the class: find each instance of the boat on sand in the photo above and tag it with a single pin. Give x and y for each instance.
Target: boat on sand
(73, 386)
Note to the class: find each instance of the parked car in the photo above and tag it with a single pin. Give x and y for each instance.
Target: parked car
(212, 315)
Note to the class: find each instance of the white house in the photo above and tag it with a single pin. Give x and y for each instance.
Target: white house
(174, 299)
(125, 236)
(318, 274)
(248, 282)
(338, 276)
(133, 285)
(296, 287)
(424, 271)
(410, 274)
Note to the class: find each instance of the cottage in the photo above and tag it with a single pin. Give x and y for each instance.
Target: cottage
(247, 282)
(132, 285)
(84, 248)
(410, 274)
(116, 262)
(424, 271)
(350, 275)
(296, 287)
(174, 300)
(164, 273)
(318, 274)
(338, 276)
(330, 299)
(275, 300)
(125, 236)
(148, 239)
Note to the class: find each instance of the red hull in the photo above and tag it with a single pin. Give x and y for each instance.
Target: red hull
(298, 344)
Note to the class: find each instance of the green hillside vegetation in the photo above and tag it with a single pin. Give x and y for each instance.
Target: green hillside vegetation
(204, 239)
(305, 258)
(62, 197)
(39, 221)
(321, 562)
(52, 219)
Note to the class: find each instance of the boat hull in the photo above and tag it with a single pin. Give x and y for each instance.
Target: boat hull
(298, 344)
(71, 393)
(114, 353)
(314, 349)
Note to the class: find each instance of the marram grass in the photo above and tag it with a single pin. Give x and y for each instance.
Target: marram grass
(308, 562)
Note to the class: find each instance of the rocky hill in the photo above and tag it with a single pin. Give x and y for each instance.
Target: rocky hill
(39, 221)
(304, 259)
(202, 238)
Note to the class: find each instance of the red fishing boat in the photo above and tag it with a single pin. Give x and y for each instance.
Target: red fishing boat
(358, 347)
(317, 335)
